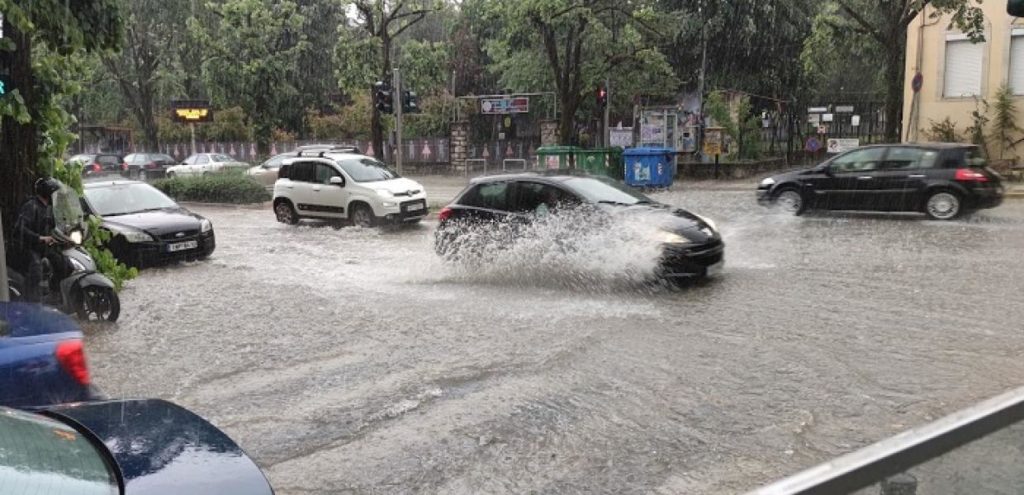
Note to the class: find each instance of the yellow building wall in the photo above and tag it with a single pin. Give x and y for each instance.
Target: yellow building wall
(926, 52)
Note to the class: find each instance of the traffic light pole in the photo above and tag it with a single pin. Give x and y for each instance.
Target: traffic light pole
(606, 139)
(5, 291)
(398, 104)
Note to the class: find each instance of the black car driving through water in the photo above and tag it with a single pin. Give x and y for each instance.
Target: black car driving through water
(942, 180)
(147, 227)
(688, 245)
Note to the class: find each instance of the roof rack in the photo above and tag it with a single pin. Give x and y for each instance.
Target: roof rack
(321, 150)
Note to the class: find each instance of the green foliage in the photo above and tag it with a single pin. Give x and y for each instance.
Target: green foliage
(979, 122)
(351, 122)
(97, 238)
(432, 121)
(742, 127)
(943, 132)
(233, 188)
(1004, 121)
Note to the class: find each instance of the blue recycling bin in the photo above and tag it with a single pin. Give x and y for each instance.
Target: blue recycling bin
(649, 167)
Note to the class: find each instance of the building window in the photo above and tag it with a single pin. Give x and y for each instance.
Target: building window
(963, 70)
(1016, 79)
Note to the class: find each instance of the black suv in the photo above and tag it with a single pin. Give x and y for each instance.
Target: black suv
(942, 180)
(495, 209)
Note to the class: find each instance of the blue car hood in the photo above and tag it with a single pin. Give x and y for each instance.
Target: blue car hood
(19, 319)
(161, 448)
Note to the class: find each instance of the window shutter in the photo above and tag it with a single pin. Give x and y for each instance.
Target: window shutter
(1016, 78)
(963, 67)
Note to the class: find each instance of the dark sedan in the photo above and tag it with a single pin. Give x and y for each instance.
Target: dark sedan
(121, 447)
(144, 166)
(100, 164)
(941, 180)
(690, 246)
(148, 227)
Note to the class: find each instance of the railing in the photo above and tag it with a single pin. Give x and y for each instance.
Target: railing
(877, 463)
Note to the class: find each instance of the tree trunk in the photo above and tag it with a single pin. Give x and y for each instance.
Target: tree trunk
(567, 119)
(19, 143)
(895, 68)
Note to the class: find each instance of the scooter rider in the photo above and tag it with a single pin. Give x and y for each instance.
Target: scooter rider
(31, 235)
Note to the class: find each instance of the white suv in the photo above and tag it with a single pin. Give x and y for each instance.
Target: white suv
(345, 186)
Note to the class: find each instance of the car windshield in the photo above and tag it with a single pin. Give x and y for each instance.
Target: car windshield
(367, 170)
(122, 199)
(606, 191)
(41, 456)
(221, 158)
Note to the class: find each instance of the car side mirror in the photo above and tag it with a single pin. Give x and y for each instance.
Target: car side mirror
(337, 181)
(828, 171)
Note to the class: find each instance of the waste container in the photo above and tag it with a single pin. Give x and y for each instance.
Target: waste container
(556, 157)
(649, 167)
(601, 161)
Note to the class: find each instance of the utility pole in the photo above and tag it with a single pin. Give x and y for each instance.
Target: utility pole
(606, 139)
(192, 127)
(703, 71)
(398, 102)
(5, 291)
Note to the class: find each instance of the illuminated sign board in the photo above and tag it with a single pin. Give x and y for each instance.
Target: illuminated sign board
(191, 111)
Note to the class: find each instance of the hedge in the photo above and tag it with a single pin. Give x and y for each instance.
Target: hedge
(217, 188)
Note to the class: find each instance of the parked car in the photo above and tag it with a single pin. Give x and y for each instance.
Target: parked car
(145, 166)
(344, 185)
(148, 227)
(266, 172)
(943, 181)
(691, 246)
(100, 163)
(42, 361)
(205, 164)
(126, 447)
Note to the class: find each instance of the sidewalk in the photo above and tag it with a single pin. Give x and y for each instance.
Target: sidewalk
(1015, 191)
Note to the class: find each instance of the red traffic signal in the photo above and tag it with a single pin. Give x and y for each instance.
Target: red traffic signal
(602, 97)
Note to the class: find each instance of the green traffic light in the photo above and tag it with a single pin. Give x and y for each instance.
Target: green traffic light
(3, 88)
(1015, 8)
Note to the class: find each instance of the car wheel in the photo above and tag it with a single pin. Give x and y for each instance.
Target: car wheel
(170, 175)
(286, 213)
(791, 201)
(943, 205)
(362, 216)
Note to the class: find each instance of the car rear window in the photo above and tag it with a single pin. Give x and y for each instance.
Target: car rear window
(41, 456)
(975, 158)
(493, 195)
(108, 160)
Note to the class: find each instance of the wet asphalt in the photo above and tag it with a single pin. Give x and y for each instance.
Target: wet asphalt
(354, 361)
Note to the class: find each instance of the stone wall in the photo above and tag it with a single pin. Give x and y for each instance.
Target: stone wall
(459, 145)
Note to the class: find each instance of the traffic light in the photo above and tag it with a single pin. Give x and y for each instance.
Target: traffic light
(410, 102)
(382, 97)
(1015, 8)
(602, 97)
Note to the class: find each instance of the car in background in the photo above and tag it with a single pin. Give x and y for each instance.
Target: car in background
(344, 185)
(122, 447)
(690, 245)
(205, 164)
(266, 172)
(942, 180)
(148, 228)
(144, 166)
(42, 360)
(99, 163)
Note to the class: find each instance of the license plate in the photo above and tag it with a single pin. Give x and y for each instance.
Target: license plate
(716, 269)
(182, 246)
(416, 207)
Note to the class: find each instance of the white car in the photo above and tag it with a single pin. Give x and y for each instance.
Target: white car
(205, 164)
(346, 186)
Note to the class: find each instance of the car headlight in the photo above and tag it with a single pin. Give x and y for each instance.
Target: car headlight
(384, 194)
(769, 182)
(389, 204)
(666, 237)
(76, 237)
(76, 265)
(136, 236)
(711, 223)
(206, 226)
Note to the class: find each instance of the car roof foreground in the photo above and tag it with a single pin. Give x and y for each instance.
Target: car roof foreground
(20, 319)
(100, 183)
(161, 448)
(557, 175)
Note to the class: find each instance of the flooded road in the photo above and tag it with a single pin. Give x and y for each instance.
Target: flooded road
(354, 361)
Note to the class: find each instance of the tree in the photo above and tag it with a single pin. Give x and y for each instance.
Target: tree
(884, 23)
(572, 45)
(1004, 121)
(369, 47)
(252, 48)
(41, 39)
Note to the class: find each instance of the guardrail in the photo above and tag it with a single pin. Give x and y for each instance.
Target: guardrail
(877, 463)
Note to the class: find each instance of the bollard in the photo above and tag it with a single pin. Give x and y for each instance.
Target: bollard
(901, 484)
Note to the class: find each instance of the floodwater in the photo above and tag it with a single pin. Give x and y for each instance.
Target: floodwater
(355, 361)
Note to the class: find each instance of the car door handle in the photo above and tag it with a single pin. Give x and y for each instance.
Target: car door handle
(316, 188)
(866, 177)
(917, 176)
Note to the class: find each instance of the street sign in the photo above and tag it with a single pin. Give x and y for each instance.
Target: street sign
(855, 120)
(828, 117)
(917, 82)
(503, 106)
(817, 109)
(844, 109)
(713, 137)
(823, 129)
(191, 111)
(842, 145)
(812, 145)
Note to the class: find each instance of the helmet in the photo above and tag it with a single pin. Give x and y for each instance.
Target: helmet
(46, 186)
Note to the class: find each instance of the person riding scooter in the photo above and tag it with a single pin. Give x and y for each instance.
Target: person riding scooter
(32, 235)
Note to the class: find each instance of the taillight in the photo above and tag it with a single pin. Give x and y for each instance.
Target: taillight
(151, 165)
(71, 357)
(96, 167)
(970, 175)
(445, 214)
(124, 166)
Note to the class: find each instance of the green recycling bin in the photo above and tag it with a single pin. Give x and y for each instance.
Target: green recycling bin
(602, 161)
(556, 157)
